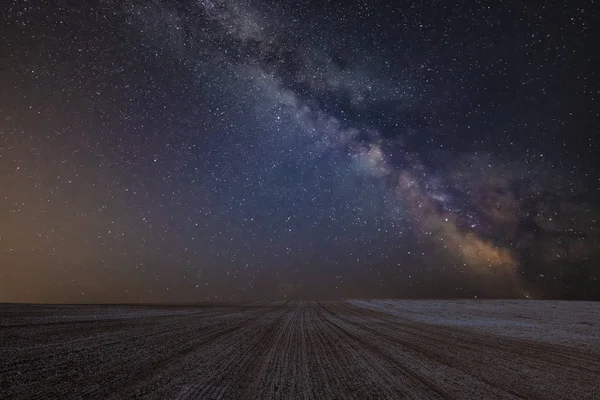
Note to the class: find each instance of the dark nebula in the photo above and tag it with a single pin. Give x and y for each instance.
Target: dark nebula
(235, 150)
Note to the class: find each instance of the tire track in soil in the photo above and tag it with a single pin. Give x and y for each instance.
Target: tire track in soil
(521, 369)
(431, 373)
(271, 374)
(303, 350)
(299, 364)
(498, 342)
(562, 359)
(402, 382)
(71, 332)
(295, 365)
(310, 359)
(224, 374)
(173, 376)
(337, 370)
(122, 361)
(372, 377)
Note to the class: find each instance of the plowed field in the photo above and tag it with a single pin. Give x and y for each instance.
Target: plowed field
(304, 350)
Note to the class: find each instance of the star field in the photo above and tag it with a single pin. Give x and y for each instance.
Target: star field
(234, 150)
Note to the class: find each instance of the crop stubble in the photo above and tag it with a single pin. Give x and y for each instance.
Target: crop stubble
(305, 350)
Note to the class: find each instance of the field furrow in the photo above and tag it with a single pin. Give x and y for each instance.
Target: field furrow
(293, 350)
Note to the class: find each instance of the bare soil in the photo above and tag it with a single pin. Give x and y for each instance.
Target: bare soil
(305, 350)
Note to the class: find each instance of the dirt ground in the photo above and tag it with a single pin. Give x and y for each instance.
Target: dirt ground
(305, 350)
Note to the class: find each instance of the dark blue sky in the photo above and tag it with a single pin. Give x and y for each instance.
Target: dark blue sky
(185, 151)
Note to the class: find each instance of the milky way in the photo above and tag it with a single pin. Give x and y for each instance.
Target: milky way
(231, 150)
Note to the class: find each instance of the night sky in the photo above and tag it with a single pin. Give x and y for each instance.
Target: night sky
(187, 151)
